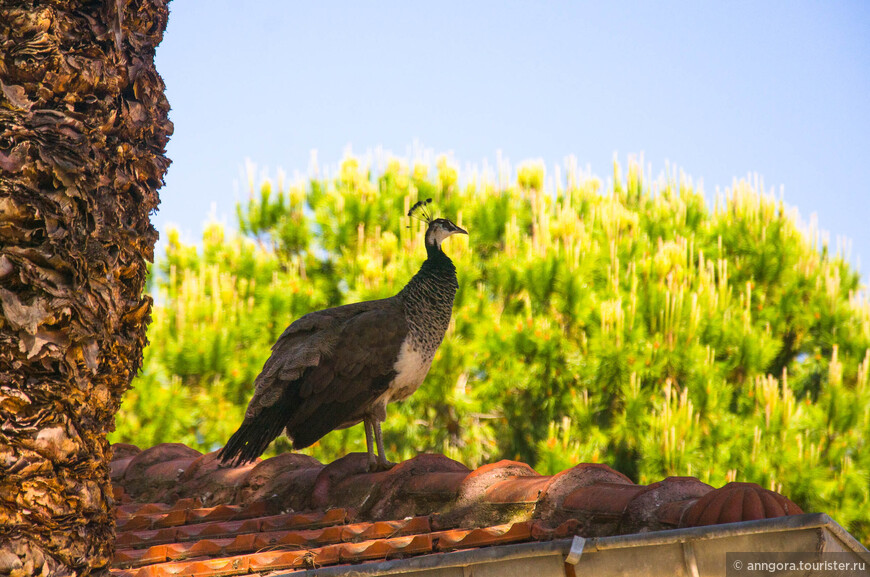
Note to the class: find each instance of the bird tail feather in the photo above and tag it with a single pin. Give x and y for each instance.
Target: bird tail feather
(252, 437)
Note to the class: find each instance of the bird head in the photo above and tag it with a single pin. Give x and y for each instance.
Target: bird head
(438, 228)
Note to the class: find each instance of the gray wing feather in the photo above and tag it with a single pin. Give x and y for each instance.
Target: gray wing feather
(338, 391)
(303, 345)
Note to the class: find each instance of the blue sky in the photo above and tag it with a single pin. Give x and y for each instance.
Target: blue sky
(719, 89)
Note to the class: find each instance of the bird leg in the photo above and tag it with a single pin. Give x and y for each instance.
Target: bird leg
(369, 427)
(373, 436)
(382, 464)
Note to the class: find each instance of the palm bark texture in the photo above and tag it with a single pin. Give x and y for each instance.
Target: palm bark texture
(83, 129)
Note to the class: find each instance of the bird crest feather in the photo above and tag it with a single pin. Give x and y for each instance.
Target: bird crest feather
(421, 211)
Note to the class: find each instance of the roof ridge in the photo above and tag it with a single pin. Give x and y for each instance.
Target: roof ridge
(292, 512)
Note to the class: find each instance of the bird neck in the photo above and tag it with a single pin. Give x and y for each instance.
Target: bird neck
(433, 251)
(437, 264)
(428, 300)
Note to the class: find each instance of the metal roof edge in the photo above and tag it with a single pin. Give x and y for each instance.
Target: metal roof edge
(789, 523)
(443, 560)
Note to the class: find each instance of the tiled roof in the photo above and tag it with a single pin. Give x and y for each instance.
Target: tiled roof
(182, 513)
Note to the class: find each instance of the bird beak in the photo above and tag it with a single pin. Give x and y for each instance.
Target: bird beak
(460, 230)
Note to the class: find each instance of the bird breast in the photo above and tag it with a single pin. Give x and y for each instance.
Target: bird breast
(411, 368)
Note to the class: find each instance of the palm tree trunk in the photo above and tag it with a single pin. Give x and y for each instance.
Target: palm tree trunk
(83, 127)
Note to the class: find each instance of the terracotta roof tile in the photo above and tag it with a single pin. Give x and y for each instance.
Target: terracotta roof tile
(131, 557)
(292, 512)
(483, 537)
(132, 538)
(445, 485)
(384, 529)
(272, 560)
(645, 511)
(121, 451)
(119, 494)
(738, 502)
(346, 483)
(217, 529)
(152, 471)
(205, 548)
(517, 490)
(479, 481)
(603, 499)
(118, 467)
(550, 505)
(280, 477)
(129, 509)
(385, 548)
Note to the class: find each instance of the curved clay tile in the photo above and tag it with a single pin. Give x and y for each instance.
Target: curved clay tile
(647, 510)
(554, 502)
(345, 482)
(208, 479)
(477, 482)
(738, 502)
(288, 477)
(154, 471)
(124, 451)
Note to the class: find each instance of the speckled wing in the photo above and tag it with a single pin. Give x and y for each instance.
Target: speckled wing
(343, 387)
(310, 343)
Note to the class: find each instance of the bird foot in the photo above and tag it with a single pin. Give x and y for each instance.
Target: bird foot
(378, 466)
